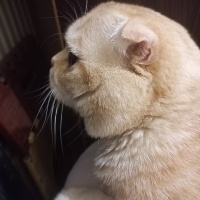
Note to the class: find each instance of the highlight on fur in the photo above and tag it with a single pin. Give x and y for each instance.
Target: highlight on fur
(135, 81)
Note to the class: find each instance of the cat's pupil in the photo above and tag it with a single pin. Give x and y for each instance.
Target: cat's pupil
(72, 59)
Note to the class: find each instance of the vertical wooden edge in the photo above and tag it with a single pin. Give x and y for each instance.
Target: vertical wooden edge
(57, 21)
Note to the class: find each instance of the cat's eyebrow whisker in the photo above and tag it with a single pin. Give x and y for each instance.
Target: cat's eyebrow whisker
(65, 17)
(59, 16)
(80, 7)
(54, 35)
(65, 12)
(53, 42)
(73, 8)
(86, 6)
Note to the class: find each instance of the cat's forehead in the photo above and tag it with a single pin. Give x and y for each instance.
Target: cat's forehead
(94, 22)
(100, 21)
(100, 24)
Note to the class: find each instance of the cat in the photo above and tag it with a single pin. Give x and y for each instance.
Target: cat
(133, 75)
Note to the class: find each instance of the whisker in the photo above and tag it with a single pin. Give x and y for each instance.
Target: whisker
(46, 116)
(73, 8)
(61, 143)
(59, 16)
(86, 6)
(79, 134)
(72, 18)
(52, 42)
(55, 120)
(79, 121)
(39, 96)
(54, 35)
(40, 109)
(65, 17)
(46, 85)
(80, 7)
(52, 111)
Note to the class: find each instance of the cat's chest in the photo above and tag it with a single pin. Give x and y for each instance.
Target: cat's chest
(129, 156)
(127, 171)
(143, 168)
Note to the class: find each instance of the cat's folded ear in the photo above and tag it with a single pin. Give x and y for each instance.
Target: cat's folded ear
(138, 42)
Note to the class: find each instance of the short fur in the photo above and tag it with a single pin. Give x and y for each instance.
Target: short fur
(136, 85)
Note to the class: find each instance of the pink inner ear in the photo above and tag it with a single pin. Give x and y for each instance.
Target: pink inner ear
(139, 41)
(139, 51)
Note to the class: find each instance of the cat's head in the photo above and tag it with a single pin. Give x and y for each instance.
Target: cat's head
(118, 62)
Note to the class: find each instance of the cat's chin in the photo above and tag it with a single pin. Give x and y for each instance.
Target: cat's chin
(65, 100)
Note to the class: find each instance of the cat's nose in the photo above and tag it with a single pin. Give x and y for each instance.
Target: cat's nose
(60, 56)
(53, 59)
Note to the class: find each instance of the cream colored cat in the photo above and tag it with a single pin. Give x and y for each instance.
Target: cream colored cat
(134, 76)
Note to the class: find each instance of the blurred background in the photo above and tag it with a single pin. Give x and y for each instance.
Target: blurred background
(34, 163)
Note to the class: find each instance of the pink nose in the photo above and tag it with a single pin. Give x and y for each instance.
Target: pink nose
(60, 56)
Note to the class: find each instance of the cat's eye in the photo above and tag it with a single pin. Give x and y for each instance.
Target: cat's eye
(72, 59)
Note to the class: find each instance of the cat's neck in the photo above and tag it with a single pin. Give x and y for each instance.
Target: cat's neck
(139, 163)
(138, 151)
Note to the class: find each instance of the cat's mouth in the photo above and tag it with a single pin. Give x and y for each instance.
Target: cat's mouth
(55, 87)
(52, 84)
(87, 93)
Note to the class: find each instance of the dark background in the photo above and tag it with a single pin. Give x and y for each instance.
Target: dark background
(38, 164)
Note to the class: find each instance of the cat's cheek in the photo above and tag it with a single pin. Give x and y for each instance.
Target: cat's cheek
(58, 91)
(63, 88)
(65, 99)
